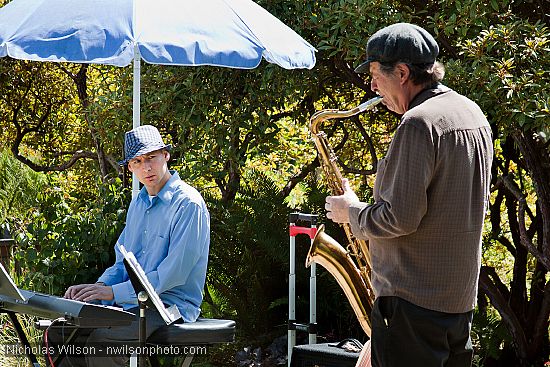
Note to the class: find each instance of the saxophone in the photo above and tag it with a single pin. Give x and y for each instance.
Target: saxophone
(351, 266)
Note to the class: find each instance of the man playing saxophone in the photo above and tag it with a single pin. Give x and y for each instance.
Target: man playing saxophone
(430, 198)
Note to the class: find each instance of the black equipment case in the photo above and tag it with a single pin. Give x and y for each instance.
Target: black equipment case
(323, 355)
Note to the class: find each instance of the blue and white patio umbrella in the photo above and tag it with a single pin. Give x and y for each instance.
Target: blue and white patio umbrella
(227, 33)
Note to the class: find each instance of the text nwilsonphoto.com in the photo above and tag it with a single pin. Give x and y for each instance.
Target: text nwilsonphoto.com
(101, 350)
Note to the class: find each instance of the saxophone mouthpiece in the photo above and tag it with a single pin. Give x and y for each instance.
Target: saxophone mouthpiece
(365, 106)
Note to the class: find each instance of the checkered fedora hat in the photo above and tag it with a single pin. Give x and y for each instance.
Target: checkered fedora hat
(142, 140)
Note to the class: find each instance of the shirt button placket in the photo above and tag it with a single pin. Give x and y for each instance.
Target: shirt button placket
(145, 231)
(144, 241)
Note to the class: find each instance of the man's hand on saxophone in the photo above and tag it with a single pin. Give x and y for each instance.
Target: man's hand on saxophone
(337, 207)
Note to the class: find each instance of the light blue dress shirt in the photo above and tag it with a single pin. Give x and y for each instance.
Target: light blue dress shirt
(170, 237)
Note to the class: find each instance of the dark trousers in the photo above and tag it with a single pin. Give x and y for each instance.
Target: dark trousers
(404, 334)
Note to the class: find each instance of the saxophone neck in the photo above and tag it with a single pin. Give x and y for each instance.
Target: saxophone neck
(320, 116)
(365, 106)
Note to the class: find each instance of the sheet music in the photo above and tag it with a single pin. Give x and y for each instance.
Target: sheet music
(170, 314)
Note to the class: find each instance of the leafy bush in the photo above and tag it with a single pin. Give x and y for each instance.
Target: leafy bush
(249, 265)
(19, 187)
(488, 332)
(65, 245)
(248, 256)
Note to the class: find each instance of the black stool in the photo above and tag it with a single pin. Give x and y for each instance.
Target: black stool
(183, 337)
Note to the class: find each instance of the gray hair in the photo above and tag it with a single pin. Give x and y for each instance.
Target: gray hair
(420, 74)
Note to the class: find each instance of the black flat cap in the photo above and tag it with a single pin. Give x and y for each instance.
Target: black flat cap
(400, 42)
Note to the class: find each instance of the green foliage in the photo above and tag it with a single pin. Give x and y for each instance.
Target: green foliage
(249, 264)
(227, 124)
(506, 69)
(344, 26)
(19, 188)
(462, 19)
(509, 64)
(220, 119)
(40, 103)
(249, 255)
(69, 244)
(488, 332)
(9, 337)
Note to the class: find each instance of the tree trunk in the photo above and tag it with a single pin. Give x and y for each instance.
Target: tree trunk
(526, 316)
(80, 80)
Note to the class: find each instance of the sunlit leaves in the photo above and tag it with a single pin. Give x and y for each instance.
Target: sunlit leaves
(518, 63)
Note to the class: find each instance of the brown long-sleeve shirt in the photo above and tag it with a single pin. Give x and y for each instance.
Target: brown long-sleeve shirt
(431, 192)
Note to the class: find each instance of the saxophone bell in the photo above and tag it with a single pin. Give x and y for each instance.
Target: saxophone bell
(327, 252)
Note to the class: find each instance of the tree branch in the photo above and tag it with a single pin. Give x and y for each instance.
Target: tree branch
(541, 325)
(21, 132)
(537, 161)
(348, 74)
(294, 180)
(524, 237)
(60, 167)
(486, 283)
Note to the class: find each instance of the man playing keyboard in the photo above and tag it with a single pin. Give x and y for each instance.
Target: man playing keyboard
(168, 230)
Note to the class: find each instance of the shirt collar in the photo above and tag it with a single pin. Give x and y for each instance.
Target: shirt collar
(165, 194)
(428, 93)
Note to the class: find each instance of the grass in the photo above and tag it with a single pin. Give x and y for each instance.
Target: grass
(10, 356)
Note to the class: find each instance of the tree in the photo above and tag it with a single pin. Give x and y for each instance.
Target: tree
(226, 122)
(513, 57)
(48, 109)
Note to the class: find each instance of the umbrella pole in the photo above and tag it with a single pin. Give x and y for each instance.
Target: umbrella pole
(136, 107)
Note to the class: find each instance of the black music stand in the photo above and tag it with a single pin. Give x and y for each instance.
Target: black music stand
(147, 297)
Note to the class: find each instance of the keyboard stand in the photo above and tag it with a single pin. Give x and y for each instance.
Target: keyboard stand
(23, 338)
